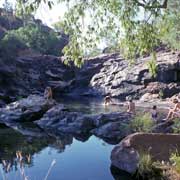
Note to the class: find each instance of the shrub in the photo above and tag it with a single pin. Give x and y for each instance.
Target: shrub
(153, 69)
(34, 37)
(175, 159)
(10, 45)
(145, 164)
(176, 126)
(147, 168)
(142, 123)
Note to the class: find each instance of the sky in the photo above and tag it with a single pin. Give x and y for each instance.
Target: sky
(48, 16)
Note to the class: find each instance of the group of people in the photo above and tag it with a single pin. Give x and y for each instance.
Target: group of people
(173, 112)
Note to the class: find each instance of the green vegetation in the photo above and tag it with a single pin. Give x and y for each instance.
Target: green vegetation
(138, 26)
(31, 36)
(142, 123)
(148, 169)
(152, 66)
(175, 159)
(161, 93)
(176, 126)
(154, 170)
(10, 45)
(133, 27)
(169, 26)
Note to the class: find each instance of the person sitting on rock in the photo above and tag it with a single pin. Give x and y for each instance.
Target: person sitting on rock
(48, 93)
(154, 113)
(131, 106)
(173, 112)
(107, 100)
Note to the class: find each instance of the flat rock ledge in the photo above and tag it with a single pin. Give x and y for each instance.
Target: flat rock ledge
(125, 156)
(27, 109)
(106, 126)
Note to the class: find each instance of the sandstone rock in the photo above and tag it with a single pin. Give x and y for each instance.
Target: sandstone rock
(61, 120)
(112, 131)
(110, 127)
(164, 127)
(110, 73)
(27, 109)
(30, 75)
(126, 155)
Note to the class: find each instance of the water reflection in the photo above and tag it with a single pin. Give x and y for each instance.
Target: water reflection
(26, 157)
(120, 175)
(18, 150)
(89, 105)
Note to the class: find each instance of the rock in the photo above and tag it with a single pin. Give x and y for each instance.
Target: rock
(26, 130)
(164, 127)
(2, 32)
(31, 75)
(8, 21)
(107, 126)
(98, 76)
(28, 109)
(149, 97)
(61, 120)
(126, 154)
(110, 73)
(112, 131)
(112, 126)
(125, 159)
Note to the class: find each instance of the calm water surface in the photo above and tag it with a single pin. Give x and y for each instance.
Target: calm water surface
(57, 158)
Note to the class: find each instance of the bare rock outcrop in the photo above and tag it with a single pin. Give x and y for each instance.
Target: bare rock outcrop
(126, 154)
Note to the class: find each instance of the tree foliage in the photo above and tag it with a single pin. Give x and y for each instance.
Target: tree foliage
(133, 23)
(31, 36)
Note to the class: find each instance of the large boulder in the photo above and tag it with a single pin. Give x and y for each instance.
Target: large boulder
(60, 120)
(28, 109)
(126, 154)
(112, 126)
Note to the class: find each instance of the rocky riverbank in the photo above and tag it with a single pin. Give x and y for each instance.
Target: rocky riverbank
(54, 117)
(108, 73)
(126, 155)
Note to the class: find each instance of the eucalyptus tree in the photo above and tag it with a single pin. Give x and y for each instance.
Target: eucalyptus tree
(132, 23)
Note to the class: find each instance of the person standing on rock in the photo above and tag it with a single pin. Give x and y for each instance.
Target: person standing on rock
(131, 106)
(48, 93)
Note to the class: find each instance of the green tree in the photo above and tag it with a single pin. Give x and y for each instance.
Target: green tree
(33, 37)
(132, 22)
(170, 25)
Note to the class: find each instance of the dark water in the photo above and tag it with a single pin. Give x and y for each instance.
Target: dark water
(90, 105)
(66, 158)
(57, 158)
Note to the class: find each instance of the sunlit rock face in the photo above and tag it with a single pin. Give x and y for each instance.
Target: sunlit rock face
(98, 76)
(27, 109)
(120, 79)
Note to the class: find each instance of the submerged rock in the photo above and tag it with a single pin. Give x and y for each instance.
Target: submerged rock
(126, 154)
(28, 109)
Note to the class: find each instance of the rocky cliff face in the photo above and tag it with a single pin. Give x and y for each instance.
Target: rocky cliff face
(108, 73)
(113, 74)
(26, 75)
